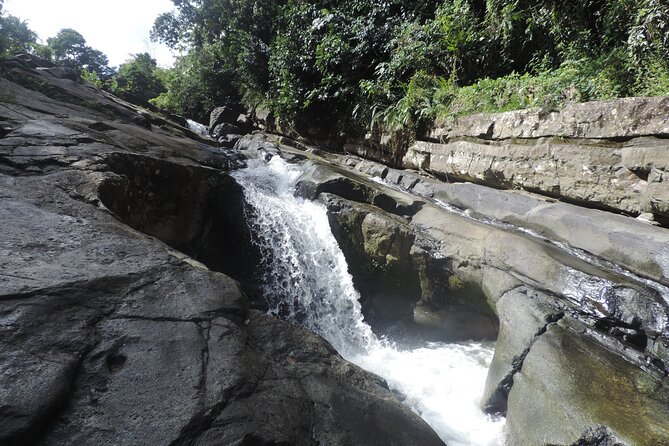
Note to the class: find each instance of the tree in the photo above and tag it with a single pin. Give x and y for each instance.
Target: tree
(69, 48)
(15, 36)
(353, 61)
(199, 82)
(229, 39)
(137, 80)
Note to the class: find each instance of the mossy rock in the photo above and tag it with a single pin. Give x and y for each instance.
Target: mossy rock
(570, 382)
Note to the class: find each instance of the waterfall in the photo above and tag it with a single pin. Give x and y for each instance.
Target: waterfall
(306, 281)
(198, 128)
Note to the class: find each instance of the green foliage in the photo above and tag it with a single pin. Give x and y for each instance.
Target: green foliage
(653, 78)
(198, 83)
(394, 64)
(69, 48)
(137, 80)
(228, 43)
(15, 36)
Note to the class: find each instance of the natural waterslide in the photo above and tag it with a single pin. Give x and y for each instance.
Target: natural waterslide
(306, 281)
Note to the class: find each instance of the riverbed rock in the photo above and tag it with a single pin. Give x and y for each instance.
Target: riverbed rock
(570, 383)
(322, 178)
(509, 252)
(224, 114)
(524, 315)
(113, 329)
(377, 246)
(616, 238)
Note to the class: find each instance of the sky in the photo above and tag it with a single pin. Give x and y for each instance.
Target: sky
(118, 28)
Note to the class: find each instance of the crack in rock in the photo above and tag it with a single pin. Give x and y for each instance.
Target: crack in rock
(497, 403)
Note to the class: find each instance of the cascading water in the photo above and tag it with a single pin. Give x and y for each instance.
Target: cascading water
(198, 128)
(301, 258)
(306, 281)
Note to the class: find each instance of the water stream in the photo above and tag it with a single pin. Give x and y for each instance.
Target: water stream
(198, 128)
(307, 282)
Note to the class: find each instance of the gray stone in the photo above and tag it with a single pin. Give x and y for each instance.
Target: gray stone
(224, 114)
(616, 119)
(63, 73)
(570, 384)
(619, 239)
(321, 178)
(112, 336)
(222, 129)
(524, 315)
(600, 154)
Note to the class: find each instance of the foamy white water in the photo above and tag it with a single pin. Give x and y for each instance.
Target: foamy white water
(443, 383)
(306, 281)
(306, 277)
(198, 128)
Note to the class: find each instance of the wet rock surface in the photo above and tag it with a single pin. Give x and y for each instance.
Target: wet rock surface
(518, 266)
(110, 335)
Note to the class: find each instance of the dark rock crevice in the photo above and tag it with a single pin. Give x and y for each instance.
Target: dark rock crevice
(201, 422)
(197, 320)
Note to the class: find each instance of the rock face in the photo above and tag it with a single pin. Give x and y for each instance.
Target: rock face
(109, 335)
(227, 124)
(582, 346)
(608, 155)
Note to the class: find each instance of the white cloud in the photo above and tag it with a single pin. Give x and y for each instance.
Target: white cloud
(118, 29)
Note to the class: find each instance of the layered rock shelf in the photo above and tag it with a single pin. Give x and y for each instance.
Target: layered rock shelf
(608, 155)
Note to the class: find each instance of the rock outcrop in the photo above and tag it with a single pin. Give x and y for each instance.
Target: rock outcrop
(581, 302)
(111, 330)
(607, 155)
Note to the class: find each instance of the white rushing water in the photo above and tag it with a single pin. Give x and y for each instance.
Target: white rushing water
(307, 282)
(198, 128)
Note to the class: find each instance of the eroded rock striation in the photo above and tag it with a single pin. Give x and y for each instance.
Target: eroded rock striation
(608, 155)
(112, 329)
(576, 296)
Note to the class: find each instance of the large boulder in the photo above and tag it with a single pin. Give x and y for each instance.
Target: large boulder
(224, 114)
(224, 129)
(572, 383)
(524, 315)
(109, 334)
